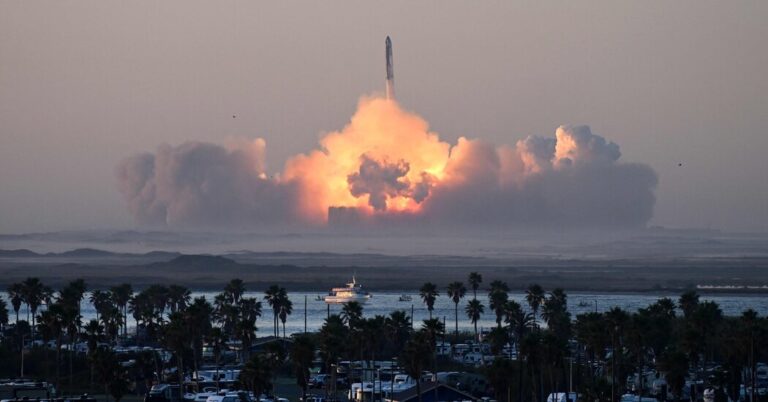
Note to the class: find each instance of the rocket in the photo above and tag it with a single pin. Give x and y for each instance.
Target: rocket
(390, 70)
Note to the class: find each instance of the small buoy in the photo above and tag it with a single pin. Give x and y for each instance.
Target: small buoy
(679, 164)
(233, 116)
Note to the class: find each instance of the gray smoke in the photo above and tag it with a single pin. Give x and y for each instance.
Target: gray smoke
(379, 180)
(198, 184)
(572, 180)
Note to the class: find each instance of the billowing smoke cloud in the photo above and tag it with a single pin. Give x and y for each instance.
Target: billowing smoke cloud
(199, 184)
(386, 166)
(379, 180)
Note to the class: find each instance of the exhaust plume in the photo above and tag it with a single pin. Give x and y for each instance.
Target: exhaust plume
(385, 166)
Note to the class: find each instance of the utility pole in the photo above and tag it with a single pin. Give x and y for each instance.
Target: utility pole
(305, 314)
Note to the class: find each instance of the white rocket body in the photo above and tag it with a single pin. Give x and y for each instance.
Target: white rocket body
(390, 70)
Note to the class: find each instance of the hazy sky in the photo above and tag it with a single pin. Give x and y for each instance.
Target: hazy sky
(86, 83)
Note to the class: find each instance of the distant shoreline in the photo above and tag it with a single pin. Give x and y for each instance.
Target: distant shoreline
(320, 271)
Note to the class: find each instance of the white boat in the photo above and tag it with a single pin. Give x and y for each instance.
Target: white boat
(405, 298)
(352, 292)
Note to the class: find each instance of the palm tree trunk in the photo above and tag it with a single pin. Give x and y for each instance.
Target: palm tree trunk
(218, 388)
(418, 388)
(180, 363)
(456, 313)
(552, 387)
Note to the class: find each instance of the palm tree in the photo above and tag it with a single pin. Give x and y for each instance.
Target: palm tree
(121, 296)
(475, 279)
(225, 313)
(688, 302)
(366, 336)
(415, 357)
(555, 313)
(158, 300)
(245, 325)
(234, 290)
(198, 320)
(100, 301)
(274, 296)
(178, 298)
(399, 327)
(111, 319)
(52, 321)
(530, 350)
(499, 375)
(498, 298)
(351, 313)
(176, 338)
(517, 319)
(434, 328)
(637, 342)
(73, 293)
(519, 322)
(218, 341)
(617, 320)
(3, 314)
(143, 311)
(111, 375)
(497, 338)
(534, 295)
(675, 364)
(257, 375)
(71, 322)
(498, 286)
(16, 296)
(302, 354)
(456, 292)
(558, 298)
(94, 331)
(474, 310)
(286, 308)
(553, 353)
(333, 340)
(591, 333)
(428, 293)
(70, 297)
(34, 295)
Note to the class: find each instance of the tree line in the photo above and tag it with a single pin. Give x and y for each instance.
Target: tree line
(538, 348)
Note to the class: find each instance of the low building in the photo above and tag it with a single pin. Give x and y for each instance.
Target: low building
(432, 392)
